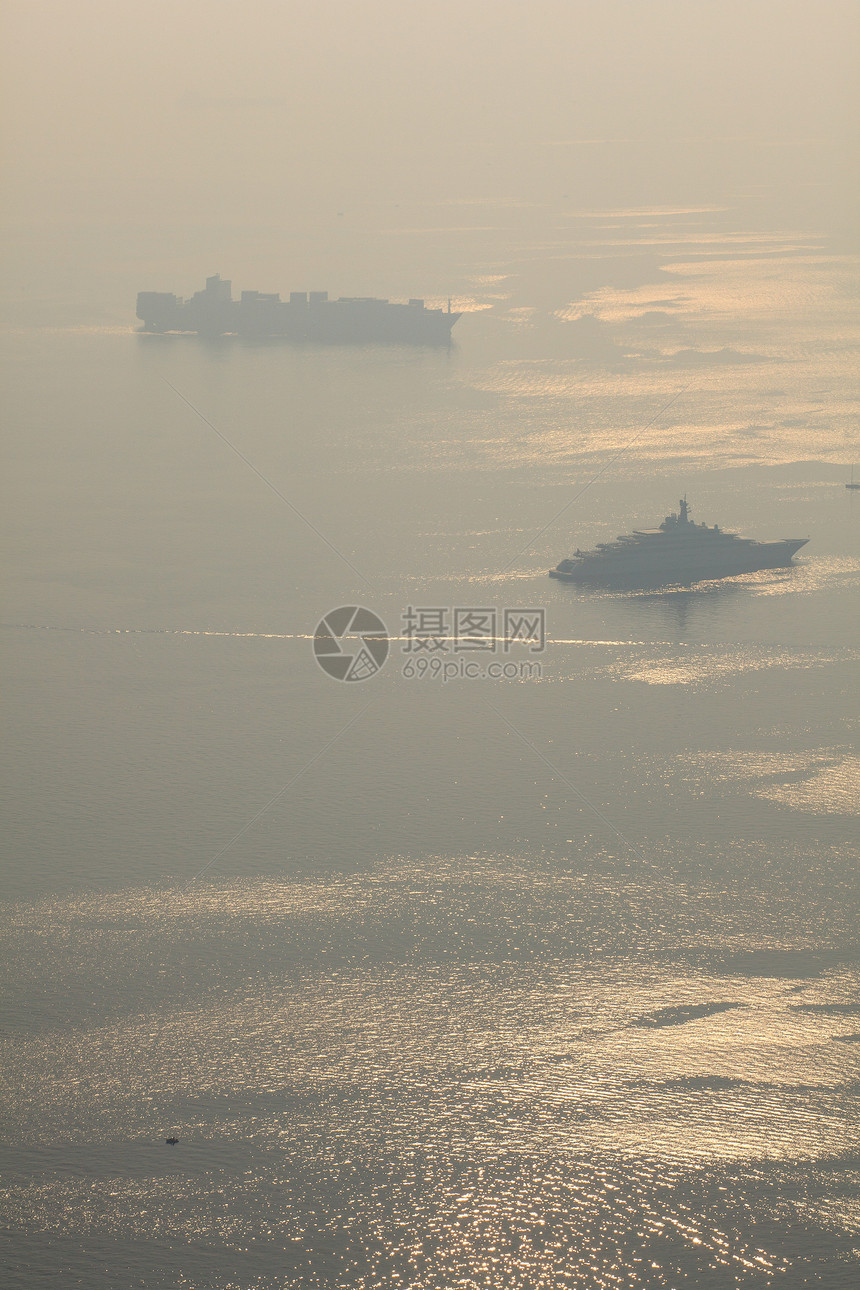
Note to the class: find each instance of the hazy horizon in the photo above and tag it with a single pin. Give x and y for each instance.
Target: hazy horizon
(277, 143)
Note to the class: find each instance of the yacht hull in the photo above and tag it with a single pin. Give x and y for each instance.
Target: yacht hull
(667, 568)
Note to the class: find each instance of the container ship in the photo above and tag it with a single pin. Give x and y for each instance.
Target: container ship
(306, 316)
(678, 552)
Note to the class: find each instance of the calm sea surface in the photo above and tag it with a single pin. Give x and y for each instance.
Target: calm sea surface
(526, 983)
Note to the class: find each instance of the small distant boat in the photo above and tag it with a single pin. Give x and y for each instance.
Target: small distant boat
(852, 484)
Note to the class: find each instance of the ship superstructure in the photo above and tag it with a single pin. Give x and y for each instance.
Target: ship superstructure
(306, 316)
(679, 551)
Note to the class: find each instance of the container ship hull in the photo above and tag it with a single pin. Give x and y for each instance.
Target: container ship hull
(678, 553)
(310, 317)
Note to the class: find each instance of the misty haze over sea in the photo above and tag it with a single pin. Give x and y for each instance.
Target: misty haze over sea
(546, 980)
